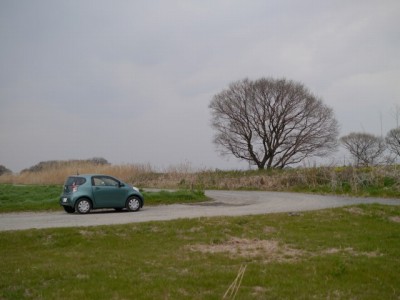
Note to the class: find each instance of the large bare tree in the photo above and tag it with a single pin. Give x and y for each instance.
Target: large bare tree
(365, 148)
(393, 141)
(272, 123)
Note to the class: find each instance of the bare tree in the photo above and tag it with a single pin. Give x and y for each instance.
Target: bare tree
(393, 141)
(396, 114)
(365, 148)
(272, 123)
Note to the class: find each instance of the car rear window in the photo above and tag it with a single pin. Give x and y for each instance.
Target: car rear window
(74, 180)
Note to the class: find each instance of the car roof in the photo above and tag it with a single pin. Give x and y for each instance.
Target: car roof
(90, 175)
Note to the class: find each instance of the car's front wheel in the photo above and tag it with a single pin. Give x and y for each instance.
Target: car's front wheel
(69, 209)
(133, 203)
(83, 206)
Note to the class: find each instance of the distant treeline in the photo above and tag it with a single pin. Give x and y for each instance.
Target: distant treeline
(4, 170)
(51, 164)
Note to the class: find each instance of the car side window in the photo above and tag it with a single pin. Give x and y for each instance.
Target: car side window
(96, 181)
(104, 181)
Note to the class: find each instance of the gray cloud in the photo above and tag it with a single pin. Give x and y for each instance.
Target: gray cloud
(131, 80)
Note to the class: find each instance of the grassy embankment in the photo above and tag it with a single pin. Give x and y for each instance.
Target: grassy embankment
(39, 189)
(382, 181)
(343, 253)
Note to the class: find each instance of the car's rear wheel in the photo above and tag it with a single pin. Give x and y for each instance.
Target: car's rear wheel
(69, 209)
(83, 206)
(133, 203)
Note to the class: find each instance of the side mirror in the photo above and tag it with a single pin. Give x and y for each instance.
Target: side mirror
(120, 184)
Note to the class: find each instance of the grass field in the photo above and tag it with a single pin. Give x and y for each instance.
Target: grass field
(344, 253)
(45, 197)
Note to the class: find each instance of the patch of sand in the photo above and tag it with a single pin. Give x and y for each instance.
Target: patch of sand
(270, 250)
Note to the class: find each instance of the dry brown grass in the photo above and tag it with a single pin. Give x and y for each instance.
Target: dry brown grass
(395, 219)
(270, 250)
(371, 181)
(57, 175)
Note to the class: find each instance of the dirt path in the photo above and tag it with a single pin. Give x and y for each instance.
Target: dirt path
(225, 203)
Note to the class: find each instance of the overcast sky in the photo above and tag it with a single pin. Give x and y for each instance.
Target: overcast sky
(131, 81)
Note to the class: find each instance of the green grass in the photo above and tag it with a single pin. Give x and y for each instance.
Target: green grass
(343, 253)
(29, 197)
(173, 197)
(15, 198)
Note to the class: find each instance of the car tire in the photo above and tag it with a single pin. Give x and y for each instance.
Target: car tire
(133, 203)
(83, 206)
(69, 209)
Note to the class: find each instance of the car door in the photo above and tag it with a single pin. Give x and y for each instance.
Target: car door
(107, 192)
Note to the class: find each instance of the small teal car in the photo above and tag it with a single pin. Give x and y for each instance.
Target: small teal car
(83, 193)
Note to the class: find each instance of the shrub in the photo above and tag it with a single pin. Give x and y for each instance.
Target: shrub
(4, 170)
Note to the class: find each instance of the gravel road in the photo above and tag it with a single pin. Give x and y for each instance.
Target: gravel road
(225, 203)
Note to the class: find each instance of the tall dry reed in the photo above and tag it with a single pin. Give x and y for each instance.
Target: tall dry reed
(57, 175)
(384, 180)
